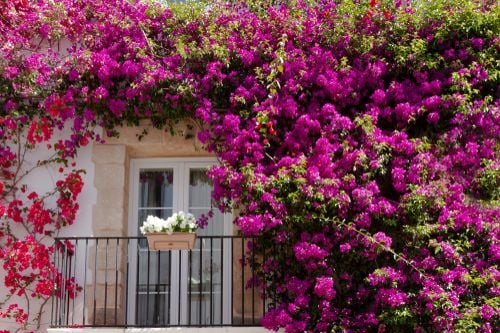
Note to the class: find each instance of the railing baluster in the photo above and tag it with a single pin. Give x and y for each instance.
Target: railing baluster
(201, 282)
(253, 279)
(157, 296)
(95, 275)
(75, 254)
(68, 277)
(264, 296)
(137, 285)
(222, 281)
(243, 281)
(54, 296)
(125, 314)
(55, 299)
(116, 280)
(106, 282)
(179, 292)
(211, 280)
(232, 279)
(189, 298)
(63, 285)
(147, 285)
(85, 280)
(169, 286)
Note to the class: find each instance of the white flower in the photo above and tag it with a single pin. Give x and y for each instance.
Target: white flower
(184, 222)
(181, 219)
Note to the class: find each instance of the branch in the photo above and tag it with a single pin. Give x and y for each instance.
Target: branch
(388, 249)
(38, 317)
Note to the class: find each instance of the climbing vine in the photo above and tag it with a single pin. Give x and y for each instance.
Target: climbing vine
(358, 137)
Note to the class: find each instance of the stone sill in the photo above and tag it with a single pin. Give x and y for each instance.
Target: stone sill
(162, 330)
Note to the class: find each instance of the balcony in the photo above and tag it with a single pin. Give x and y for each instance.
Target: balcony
(123, 284)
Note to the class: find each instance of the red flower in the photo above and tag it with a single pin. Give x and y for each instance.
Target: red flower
(39, 217)
(39, 131)
(56, 106)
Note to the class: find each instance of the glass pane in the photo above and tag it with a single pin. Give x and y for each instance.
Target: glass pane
(215, 225)
(153, 266)
(151, 307)
(153, 284)
(205, 282)
(200, 189)
(205, 287)
(156, 188)
(144, 213)
(200, 202)
(153, 287)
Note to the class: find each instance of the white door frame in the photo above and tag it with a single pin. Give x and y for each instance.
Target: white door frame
(180, 180)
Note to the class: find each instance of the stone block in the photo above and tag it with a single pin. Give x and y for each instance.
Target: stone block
(109, 153)
(110, 197)
(108, 221)
(109, 176)
(131, 135)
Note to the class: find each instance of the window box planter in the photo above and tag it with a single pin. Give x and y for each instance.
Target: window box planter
(175, 241)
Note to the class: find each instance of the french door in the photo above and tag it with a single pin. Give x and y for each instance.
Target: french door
(177, 287)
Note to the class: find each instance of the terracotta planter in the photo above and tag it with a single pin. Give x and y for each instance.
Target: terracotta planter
(173, 241)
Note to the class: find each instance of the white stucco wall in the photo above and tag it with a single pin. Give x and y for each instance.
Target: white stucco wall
(41, 180)
(44, 179)
(87, 198)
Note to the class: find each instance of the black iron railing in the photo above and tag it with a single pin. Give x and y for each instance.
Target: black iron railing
(119, 282)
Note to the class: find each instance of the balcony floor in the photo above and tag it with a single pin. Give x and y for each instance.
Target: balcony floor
(229, 329)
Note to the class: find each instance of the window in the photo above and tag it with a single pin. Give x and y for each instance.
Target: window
(174, 287)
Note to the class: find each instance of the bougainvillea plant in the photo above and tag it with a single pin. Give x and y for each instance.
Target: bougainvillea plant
(358, 137)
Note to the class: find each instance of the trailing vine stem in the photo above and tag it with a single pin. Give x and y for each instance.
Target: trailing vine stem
(396, 255)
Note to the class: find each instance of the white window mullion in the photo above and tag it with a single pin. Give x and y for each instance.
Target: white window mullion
(132, 231)
(179, 256)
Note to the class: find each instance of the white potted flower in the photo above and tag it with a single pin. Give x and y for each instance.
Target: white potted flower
(178, 232)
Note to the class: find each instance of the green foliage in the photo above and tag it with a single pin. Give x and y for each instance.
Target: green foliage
(488, 182)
